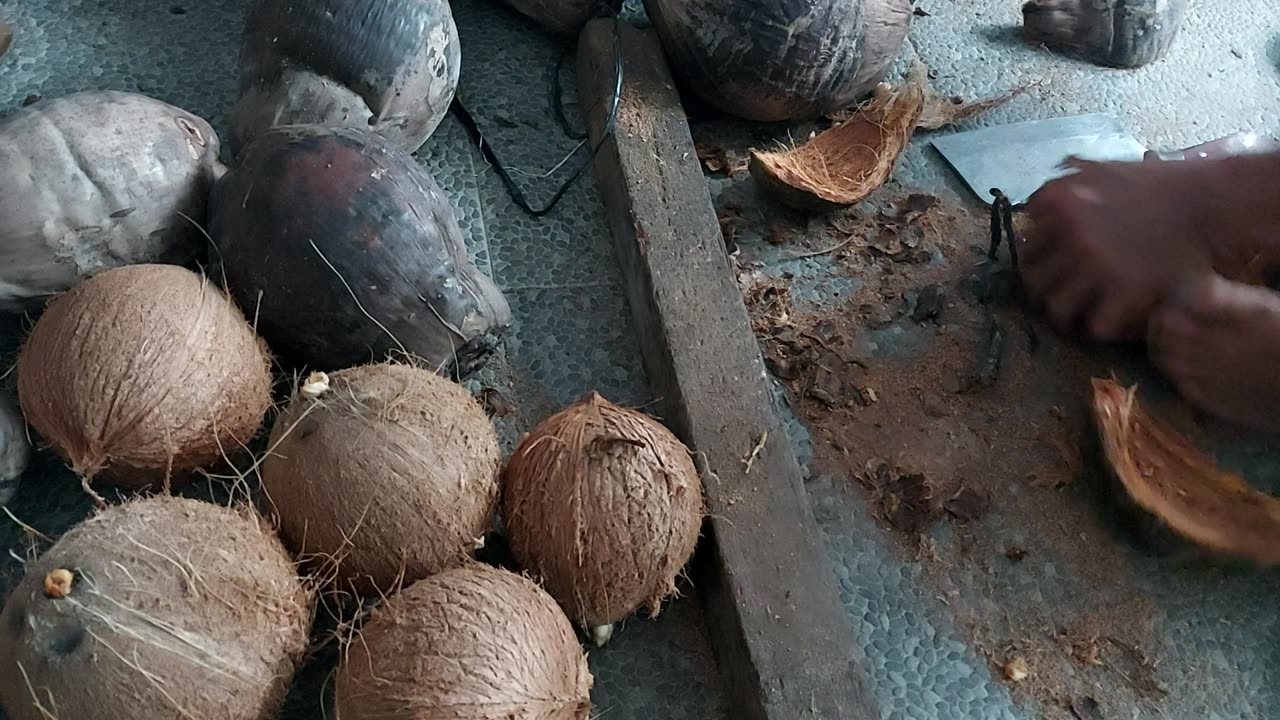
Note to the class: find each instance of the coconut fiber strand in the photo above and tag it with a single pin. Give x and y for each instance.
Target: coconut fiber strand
(476, 643)
(388, 476)
(603, 505)
(143, 372)
(1169, 477)
(159, 609)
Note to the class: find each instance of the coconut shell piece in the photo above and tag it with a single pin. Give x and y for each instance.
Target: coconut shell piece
(382, 475)
(476, 643)
(143, 373)
(844, 165)
(603, 505)
(1167, 476)
(154, 610)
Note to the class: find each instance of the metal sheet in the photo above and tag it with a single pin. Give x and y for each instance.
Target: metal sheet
(1021, 157)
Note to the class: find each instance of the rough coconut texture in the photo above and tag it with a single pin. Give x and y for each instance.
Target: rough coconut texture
(774, 60)
(386, 477)
(475, 643)
(142, 373)
(387, 65)
(565, 16)
(159, 609)
(603, 505)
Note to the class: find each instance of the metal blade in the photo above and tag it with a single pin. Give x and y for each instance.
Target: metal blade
(1021, 157)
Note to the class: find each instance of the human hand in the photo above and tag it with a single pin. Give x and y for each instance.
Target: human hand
(1110, 239)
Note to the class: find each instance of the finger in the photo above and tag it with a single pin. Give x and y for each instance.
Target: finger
(1068, 303)
(1042, 277)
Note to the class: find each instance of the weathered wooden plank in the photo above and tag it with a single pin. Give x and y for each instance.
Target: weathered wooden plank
(782, 638)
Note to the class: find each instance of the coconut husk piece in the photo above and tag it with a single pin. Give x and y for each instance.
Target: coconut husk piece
(1169, 477)
(6, 38)
(941, 110)
(842, 166)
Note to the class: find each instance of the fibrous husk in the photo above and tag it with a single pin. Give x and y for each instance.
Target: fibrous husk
(844, 165)
(142, 373)
(158, 609)
(386, 475)
(603, 505)
(1167, 476)
(939, 110)
(476, 643)
(6, 38)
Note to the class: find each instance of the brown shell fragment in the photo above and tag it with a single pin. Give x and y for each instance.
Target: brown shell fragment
(603, 505)
(1170, 478)
(844, 165)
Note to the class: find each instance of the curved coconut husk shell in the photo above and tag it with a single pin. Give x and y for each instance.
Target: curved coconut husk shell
(476, 643)
(603, 505)
(143, 373)
(157, 609)
(1115, 34)
(1170, 478)
(386, 477)
(844, 165)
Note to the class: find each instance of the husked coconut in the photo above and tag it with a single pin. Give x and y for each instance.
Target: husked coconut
(158, 609)
(350, 252)
(603, 505)
(96, 180)
(476, 643)
(382, 474)
(143, 373)
(391, 66)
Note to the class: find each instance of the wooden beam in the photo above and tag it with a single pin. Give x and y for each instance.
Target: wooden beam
(783, 640)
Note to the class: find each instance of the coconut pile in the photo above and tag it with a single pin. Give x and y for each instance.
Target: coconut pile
(298, 327)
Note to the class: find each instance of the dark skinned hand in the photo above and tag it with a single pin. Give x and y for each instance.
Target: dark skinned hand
(1110, 240)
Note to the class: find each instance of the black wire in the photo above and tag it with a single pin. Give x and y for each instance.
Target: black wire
(517, 194)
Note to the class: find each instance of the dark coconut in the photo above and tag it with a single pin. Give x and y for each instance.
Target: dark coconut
(382, 474)
(159, 609)
(474, 643)
(1126, 34)
(772, 60)
(603, 505)
(97, 180)
(565, 16)
(349, 251)
(142, 373)
(388, 65)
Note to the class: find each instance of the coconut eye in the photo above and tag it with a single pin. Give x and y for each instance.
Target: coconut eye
(190, 128)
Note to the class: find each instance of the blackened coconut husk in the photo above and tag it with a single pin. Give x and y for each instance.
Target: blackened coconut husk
(476, 643)
(1167, 476)
(158, 609)
(346, 251)
(1122, 34)
(603, 505)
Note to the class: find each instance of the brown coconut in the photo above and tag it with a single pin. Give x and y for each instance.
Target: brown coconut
(158, 609)
(475, 643)
(603, 505)
(143, 373)
(1169, 477)
(844, 165)
(382, 474)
